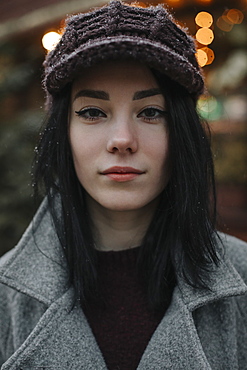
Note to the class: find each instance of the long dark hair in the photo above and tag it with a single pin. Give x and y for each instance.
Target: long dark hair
(181, 238)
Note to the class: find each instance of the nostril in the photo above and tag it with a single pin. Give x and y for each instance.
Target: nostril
(122, 143)
(122, 150)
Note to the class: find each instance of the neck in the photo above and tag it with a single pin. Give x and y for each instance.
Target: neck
(119, 230)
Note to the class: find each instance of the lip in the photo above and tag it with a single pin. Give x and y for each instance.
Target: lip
(121, 170)
(122, 174)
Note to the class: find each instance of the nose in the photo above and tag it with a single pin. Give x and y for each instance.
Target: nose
(122, 137)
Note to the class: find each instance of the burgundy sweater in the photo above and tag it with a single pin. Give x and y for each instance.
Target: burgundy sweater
(125, 325)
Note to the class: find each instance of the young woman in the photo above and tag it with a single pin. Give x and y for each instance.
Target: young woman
(122, 267)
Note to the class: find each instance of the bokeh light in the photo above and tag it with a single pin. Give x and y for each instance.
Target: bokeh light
(209, 107)
(50, 40)
(204, 19)
(175, 3)
(229, 18)
(234, 16)
(225, 19)
(210, 54)
(206, 2)
(202, 58)
(223, 25)
(138, 4)
(205, 36)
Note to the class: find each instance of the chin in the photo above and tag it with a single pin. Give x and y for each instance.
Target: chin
(125, 205)
(124, 202)
(120, 207)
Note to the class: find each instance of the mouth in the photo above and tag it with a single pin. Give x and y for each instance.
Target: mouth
(121, 174)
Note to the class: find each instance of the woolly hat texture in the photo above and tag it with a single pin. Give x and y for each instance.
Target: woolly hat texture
(121, 31)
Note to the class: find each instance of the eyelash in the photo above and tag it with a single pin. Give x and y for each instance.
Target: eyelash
(83, 113)
(161, 114)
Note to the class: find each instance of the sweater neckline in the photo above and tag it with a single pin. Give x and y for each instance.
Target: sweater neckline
(119, 258)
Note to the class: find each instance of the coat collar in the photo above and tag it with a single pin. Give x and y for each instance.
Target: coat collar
(224, 282)
(39, 252)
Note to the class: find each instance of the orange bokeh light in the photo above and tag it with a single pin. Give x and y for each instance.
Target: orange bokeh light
(235, 16)
(204, 1)
(225, 19)
(205, 36)
(223, 25)
(175, 2)
(204, 19)
(210, 55)
(138, 4)
(202, 58)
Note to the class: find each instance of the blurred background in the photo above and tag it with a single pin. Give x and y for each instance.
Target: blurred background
(220, 31)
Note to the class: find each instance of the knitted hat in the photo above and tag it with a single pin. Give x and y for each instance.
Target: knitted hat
(120, 31)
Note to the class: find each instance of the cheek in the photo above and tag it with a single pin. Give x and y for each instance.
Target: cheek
(162, 159)
(80, 143)
(157, 148)
(79, 149)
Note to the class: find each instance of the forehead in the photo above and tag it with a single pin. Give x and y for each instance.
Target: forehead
(127, 74)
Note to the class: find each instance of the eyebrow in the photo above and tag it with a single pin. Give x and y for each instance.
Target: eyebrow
(98, 94)
(146, 93)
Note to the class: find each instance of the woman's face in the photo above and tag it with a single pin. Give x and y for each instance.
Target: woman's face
(119, 135)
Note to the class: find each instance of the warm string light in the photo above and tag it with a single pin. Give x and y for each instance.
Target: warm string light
(204, 36)
(50, 40)
(175, 3)
(235, 16)
(138, 4)
(204, 2)
(210, 55)
(229, 18)
(201, 57)
(204, 19)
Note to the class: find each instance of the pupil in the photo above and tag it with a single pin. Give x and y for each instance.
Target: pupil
(151, 112)
(93, 112)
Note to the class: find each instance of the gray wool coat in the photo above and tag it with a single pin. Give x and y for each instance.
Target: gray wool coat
(41, 328)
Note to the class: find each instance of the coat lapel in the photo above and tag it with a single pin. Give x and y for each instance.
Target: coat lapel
(61, 340)
(175, 344)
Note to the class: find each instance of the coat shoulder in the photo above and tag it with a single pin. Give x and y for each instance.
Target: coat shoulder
(38, 224)
(236, 250)
(37, 266)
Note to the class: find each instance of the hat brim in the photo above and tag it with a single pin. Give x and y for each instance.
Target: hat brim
(154, 54)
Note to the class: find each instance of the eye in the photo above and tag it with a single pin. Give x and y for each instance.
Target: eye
(152, 114)
(90, 114)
